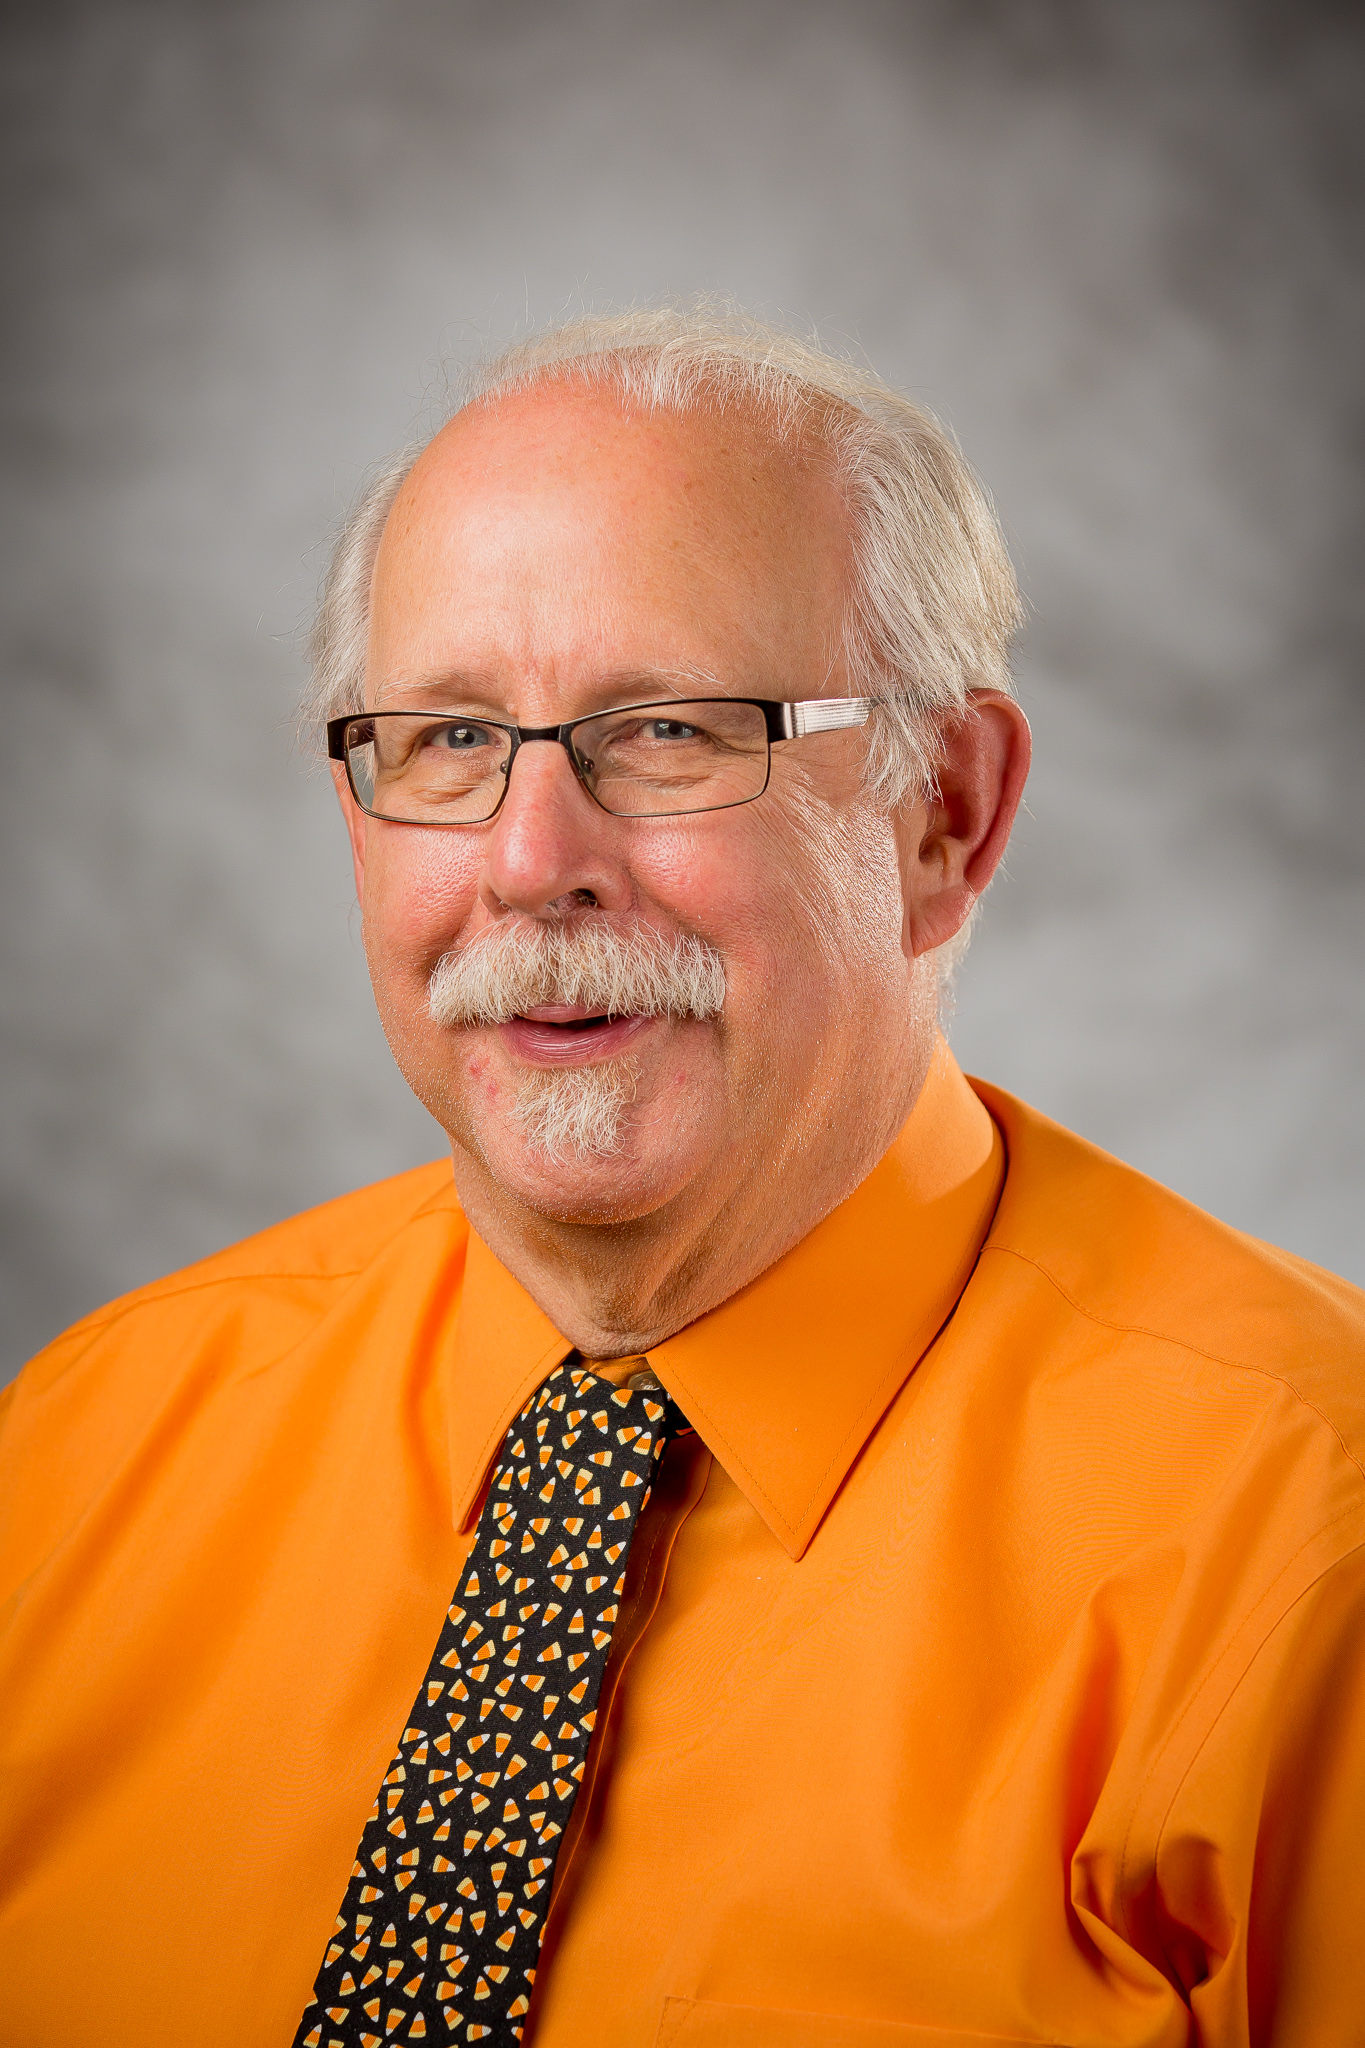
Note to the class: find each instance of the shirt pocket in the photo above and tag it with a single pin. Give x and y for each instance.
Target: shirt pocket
(698, 2023)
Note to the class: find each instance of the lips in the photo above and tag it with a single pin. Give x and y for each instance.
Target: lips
(569, 1034)
(562, 1013)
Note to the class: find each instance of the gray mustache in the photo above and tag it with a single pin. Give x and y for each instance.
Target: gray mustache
(635, 972)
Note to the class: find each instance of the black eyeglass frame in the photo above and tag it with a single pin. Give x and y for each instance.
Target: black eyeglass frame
(784, 720)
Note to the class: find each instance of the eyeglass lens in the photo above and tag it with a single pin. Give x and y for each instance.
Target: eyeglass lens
(650, 761)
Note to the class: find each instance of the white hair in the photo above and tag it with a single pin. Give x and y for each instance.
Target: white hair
(576, 1112)
(519, 965)
(934, 602)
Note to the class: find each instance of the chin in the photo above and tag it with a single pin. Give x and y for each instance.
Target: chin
(647, 1168)
(588, 1146)
(605, 1142)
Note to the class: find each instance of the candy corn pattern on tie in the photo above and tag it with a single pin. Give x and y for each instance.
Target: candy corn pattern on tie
(440, 1928)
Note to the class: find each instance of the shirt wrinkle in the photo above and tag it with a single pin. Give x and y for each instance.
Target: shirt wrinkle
(800, 1814)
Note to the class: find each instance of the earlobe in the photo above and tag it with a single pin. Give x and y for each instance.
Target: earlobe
(355, 821)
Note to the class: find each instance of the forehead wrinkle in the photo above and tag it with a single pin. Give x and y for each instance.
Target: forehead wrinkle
(468, 690)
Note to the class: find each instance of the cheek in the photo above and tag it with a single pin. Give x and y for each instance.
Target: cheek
(420, 890)
(794, 895)
(716, 878)
(734, 884)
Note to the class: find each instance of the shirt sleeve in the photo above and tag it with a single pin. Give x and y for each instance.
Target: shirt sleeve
(1259, 1901)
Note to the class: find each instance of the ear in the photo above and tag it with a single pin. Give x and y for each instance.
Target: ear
(355, 827)
(951, 845)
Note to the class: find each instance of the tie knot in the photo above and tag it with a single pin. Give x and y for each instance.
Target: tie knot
(637, 1376)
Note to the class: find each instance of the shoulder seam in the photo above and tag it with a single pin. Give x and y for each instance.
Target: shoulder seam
(103, 1319)
(1179, 1344)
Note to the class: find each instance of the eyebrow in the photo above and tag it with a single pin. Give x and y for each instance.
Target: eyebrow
(453, 690)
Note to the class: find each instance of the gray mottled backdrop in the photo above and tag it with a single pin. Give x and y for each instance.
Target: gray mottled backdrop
(1114, 245)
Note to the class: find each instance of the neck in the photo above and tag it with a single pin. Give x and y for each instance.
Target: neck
(617, 1288)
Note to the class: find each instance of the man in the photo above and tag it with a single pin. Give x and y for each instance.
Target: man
(782, 1547)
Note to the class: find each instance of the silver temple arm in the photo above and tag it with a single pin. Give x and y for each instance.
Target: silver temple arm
(825, 714)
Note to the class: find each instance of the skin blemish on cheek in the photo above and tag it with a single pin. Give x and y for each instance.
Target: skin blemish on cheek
(477, 1067)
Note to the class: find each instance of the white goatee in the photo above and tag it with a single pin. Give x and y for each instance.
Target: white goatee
(577, 1112)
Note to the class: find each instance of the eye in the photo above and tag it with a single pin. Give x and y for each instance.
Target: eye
(671, 729)
(460, 738)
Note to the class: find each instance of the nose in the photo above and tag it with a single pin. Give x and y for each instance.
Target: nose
(551, 846)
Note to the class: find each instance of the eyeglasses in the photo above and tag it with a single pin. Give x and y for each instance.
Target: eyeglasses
(638, 761)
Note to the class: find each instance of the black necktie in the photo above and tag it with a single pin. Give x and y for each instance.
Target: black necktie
(441, 1925)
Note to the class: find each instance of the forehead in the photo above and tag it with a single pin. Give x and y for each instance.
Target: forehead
(559, 532)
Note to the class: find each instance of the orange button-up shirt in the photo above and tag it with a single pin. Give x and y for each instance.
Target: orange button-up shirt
(992, 1664)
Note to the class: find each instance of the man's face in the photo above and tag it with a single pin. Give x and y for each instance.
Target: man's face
(554, 555)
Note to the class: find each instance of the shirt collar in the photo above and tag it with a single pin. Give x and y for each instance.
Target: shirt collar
(787, 1380)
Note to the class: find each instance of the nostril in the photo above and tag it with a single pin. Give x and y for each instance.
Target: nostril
(572, 900)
